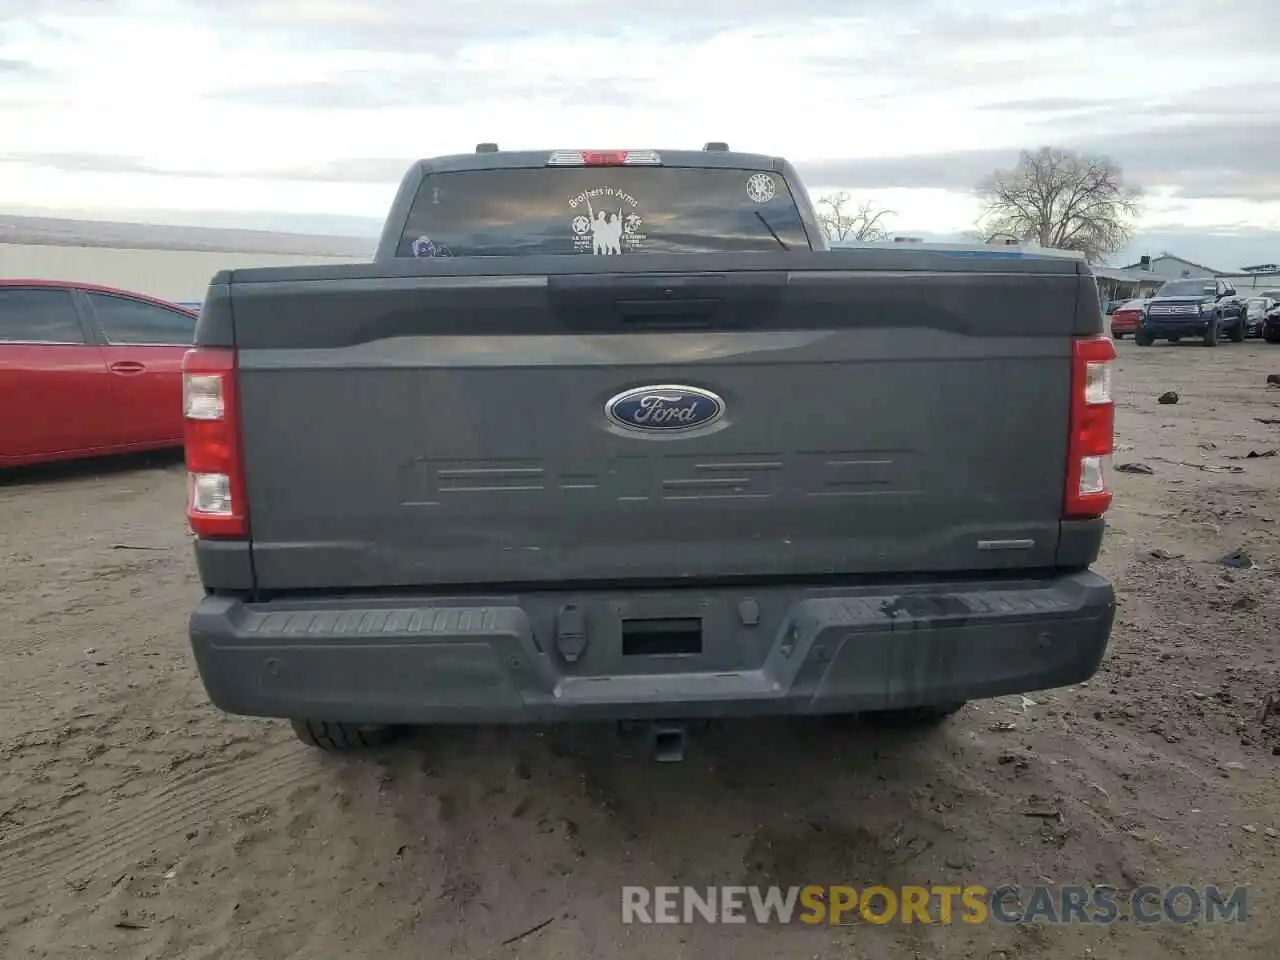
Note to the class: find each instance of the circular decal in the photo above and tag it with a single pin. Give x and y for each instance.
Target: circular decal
(426, 248)
(761, 188)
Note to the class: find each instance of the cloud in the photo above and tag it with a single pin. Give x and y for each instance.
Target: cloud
(391, 26)
(1222, 248)
(350, 93)
(1141, 25)
(11, 69)
(338, 97)
(355, 170)
(953, 170)
(78, 162)
(22, 20)
(429, 84)
(959, 28)
(22, 82)
(1204, 157)
(1041, 105)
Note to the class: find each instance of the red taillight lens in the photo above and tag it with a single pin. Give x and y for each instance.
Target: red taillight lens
(211, 421)
(1092, 440)
(604, 158)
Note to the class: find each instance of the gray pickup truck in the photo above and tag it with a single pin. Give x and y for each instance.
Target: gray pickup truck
(614, 436)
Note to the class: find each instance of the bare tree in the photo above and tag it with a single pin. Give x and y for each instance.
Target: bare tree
(987, 236)
(1061, 199)
(840, 221)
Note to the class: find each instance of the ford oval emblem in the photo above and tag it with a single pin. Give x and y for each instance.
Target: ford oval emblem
(664, 408)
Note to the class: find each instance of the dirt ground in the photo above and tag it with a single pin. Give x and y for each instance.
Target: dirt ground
(136, 821)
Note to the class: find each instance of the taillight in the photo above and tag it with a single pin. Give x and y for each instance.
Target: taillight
(604, 158)
(211, 425)
(1093, 419)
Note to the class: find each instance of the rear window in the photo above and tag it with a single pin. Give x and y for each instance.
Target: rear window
(601, 211)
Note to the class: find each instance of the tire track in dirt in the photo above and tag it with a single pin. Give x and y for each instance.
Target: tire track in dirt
(128, 827)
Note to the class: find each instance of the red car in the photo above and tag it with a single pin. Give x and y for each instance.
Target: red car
(1125, 318)
(87, 370)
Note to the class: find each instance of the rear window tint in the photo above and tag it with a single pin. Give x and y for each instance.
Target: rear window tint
(601, 211)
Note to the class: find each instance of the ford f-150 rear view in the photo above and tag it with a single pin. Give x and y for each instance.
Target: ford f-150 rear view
(612, 435)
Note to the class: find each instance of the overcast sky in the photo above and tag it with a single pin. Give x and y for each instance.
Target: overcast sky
(303, 113)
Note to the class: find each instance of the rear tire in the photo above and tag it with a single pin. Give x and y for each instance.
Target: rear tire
(1118, 336)
(1272, 336)
(332, 736)
(914, 716)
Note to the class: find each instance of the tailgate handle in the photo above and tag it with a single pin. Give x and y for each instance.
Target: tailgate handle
(670, 308)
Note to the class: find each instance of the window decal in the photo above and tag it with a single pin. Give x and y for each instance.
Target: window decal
(761, 188)
(610, 226)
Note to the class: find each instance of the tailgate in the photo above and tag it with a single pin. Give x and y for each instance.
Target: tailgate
(403, 427)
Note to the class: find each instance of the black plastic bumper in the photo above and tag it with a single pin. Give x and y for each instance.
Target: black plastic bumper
(777, 650)
(1162, 329)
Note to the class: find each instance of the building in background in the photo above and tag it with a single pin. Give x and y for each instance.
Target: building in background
(1168, 267)
(169, 262)
(1262, 276)
(1125, 283)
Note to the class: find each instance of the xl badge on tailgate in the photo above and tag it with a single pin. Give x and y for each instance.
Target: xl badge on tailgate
(664, 408)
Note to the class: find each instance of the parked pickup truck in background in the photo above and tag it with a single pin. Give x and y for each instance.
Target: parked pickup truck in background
(614, 436)
(1205, 308)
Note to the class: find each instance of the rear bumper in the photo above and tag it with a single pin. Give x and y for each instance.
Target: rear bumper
(779, 650)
